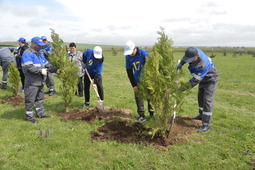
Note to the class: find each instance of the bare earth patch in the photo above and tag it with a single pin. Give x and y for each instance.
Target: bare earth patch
(15, 101)
(126, 131)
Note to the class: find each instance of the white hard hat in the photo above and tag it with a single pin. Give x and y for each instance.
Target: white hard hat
(98, 52)
(129, 47)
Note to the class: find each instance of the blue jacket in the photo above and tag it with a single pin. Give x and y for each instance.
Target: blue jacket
(94, 66)
(32, 64)
(202, 70)
(136, 63)
(46, 49)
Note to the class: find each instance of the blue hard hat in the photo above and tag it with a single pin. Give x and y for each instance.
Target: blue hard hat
(21, 39)
(44, 38)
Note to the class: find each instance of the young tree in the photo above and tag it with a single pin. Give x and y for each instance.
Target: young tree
(14, 79)
(160, 84)
(68, 69)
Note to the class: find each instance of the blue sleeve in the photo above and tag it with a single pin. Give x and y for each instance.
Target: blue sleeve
(145, 53)
(128, 64)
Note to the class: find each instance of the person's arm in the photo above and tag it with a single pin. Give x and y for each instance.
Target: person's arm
(27, 64)
(131, 77)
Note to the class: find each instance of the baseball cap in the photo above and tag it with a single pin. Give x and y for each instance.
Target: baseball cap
(44, 38)
(129, 47)
(38, 41)
(190, 54)
(97, 52)
(21, 39)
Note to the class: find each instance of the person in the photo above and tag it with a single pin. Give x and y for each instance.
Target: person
(35, 67)
(93, 61)
(46, 49)
(135, 60)
(23, 45)
(6, 57)
(76, 56)
(205, 75)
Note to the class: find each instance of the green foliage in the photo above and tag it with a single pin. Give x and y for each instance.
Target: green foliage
(160, 83)
(68, 70)
(14, 79)
(114, 52)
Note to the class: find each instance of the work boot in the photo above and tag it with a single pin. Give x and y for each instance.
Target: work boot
(152, 116)
(30, 117)
(198, 117)
(206, 119)
(80, 94)
(86, 104)
(52, 93)
(141, 119)
(4, 86)
(40, 113)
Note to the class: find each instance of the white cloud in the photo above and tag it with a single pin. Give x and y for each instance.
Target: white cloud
(197, 22)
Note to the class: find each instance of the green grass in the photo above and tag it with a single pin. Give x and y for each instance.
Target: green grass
(229, 144)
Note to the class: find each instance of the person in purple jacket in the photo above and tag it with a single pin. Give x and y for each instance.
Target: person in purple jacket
(93, 61)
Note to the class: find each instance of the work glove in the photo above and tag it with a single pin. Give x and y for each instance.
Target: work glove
(44, 71)
(180, 64)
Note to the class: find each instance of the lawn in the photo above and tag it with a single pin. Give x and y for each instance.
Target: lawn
(230, 144)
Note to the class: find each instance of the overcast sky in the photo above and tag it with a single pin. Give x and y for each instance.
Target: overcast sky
(113, 22)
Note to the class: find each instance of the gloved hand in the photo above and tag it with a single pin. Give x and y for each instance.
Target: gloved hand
(44, 71)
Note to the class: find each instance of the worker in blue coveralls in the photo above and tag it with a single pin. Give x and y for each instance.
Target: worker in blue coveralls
(135, 60)
(35, 67)
(93, 61)
(46, 49)
(206, 75)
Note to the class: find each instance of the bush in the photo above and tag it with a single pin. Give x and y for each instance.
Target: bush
(14, 79)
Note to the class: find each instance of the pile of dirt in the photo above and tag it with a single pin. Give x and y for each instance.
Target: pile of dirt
(15, 101)
(127, 132)
(91, 115)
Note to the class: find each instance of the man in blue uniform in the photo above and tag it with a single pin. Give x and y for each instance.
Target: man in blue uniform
(46, 49)
(35, 67)
(23, 45)
(93, 60)
(135, 60)
(206, 75)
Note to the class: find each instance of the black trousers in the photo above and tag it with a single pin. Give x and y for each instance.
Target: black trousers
(98, 81)
(22, 77)
(80, 85)
(140, 106)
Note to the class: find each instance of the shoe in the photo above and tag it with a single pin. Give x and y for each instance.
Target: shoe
(4, 86)
(47, 92)
(33, 120)
(44, 115)
(86, 104)
(52, 93)
(141, 119)
(199, 117)
(204, 128)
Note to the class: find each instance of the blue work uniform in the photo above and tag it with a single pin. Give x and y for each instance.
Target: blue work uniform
(32, 64)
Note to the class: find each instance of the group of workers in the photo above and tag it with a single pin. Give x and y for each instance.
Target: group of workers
(35, 71)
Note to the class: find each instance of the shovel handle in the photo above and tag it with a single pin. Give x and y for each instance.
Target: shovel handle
(92, 83)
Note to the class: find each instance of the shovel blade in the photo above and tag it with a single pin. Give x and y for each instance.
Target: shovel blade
(100, 106)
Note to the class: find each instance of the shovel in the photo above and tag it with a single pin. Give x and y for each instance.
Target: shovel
(100, 103)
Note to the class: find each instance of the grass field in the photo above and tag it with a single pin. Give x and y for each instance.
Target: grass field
(230, 144)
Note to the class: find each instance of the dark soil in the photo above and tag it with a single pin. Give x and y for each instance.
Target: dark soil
(91, 115)
(126, 132)
(121, 129)
(15, 101)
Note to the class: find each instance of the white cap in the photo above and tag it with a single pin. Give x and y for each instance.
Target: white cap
(129, 47)
(98, 52)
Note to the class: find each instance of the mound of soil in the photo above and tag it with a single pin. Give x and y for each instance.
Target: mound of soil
(15, 101)
(91, 115)
(127, 132)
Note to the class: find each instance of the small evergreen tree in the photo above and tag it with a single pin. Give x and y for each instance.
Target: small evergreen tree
(68, 70)
(160, 84)
(114, 52)
(14, 79)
